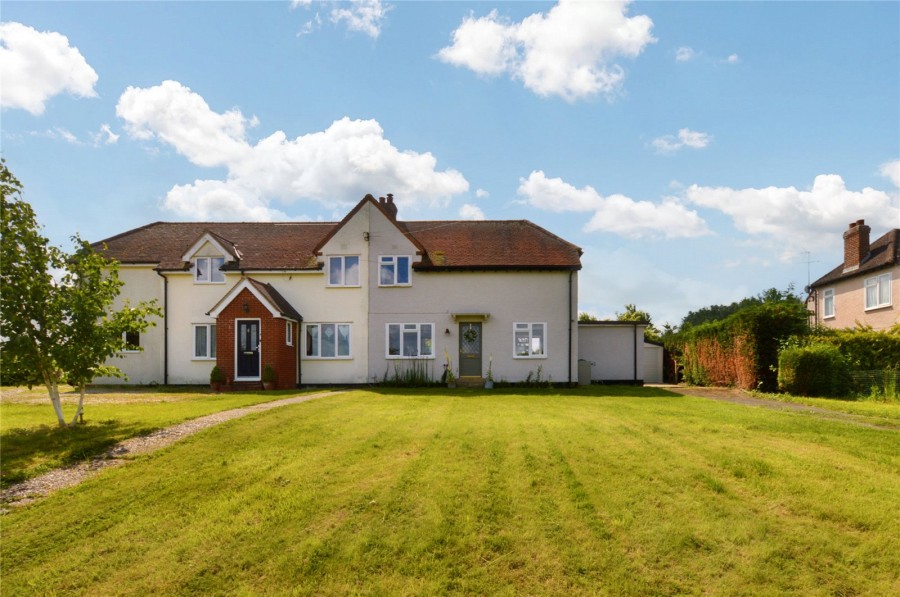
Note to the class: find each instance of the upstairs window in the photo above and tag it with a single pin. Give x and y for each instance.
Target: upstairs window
(343, 270)
(529, 340)
(207, 270)
(393, 270)
(829, 302)
(878, 291)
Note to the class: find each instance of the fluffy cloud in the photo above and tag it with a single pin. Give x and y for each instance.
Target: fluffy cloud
(35, 66)
(685, 138)
(568, 51)
(891, 171)
(105, 136)
(338, 165)
(616, 213)
(471, 212)
(794, 219)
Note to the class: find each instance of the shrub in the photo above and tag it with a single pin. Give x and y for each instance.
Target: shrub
(814, 370)
(216, 375)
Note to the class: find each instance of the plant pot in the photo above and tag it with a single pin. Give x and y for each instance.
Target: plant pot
(451, 384)
(489, 385)
(268, 385)
(215, 386)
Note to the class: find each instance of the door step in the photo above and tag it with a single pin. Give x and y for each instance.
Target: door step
(470, 381)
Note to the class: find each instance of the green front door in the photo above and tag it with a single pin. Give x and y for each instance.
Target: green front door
(469, 349)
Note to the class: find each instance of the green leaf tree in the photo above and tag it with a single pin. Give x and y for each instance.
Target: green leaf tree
(632, 313)
(57, 329)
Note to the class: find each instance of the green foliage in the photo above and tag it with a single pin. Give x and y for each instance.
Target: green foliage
(586, 317)
(742, 349)
(815, 370)
(268, 373)
(864, 348)
(720, 312)
(216, 375)
(632, 313)
(409, 373)
(57, 330)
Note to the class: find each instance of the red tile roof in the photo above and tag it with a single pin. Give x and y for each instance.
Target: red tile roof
(884, 252)
(446, 245)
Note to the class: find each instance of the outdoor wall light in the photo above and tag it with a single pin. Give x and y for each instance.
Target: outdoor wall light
(246, 308)
(446, 331)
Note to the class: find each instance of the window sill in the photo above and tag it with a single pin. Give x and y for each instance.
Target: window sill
(204, 359)
(878, 307)
(393, 357)
(395, 286)
(540, 356)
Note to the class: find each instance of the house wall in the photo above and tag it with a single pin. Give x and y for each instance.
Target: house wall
(141, 284)
(850, 303)
(616, 351)
(274, 349)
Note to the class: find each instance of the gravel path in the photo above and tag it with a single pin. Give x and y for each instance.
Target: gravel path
(38, 487)
(737, 396)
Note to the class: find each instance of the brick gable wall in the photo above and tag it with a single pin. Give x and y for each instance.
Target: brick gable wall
(274, 349)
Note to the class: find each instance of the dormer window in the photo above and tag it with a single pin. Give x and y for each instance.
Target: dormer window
(208, 270)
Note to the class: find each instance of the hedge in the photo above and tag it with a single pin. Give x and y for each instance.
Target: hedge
(742, 349)
(815, 370)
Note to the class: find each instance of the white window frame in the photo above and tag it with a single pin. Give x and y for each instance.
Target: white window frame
(137, 346)
(210, 342)
(396, 263)
(529, 327)
(214, 275)
(882, 285)
(289, 333)
(828, 299)
(412, 328)
(317, 349)
(342, 282)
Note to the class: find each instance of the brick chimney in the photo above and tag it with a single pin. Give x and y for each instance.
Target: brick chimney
(389, 206)
(856, 244)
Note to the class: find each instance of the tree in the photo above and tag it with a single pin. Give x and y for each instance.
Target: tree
(57, 330)
(719, 312)
(632, 313)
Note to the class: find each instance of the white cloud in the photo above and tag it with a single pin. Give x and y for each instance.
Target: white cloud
(616, 213)
(338, 165)
(482, 194)
(685, 138)
(35, 66)
(684, 54)
(105, 136)
(568, 51)
(733, 59)
(471, 212)
(365, 16)
(794, 219)
(891, 171)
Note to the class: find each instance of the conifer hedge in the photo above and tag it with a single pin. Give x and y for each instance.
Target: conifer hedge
(742, 349)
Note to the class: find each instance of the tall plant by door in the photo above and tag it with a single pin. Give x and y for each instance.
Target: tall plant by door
(268, 377)
(489, 378)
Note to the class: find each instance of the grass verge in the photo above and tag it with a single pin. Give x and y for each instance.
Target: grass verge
(31, 443)
(411, 492)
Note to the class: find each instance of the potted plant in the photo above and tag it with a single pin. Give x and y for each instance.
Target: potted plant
(489, 378)
(448, 376)
(216, 379)
(268, 377)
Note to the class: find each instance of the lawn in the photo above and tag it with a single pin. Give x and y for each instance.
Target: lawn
(31, 442)
(600, 491)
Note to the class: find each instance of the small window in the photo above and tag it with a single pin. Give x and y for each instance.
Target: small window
(410, 340)
(132, 341)
(829, 302)
(208, 270)
(289, 333)
(393, 270)
(328, 340)
(343, 270)
(529, 340)
(205, 341)
(878, 291)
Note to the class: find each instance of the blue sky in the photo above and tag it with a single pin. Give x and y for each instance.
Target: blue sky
(699, 152)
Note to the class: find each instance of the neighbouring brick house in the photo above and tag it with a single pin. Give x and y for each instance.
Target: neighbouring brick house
(860, 290)
(350, 302)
